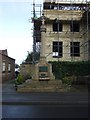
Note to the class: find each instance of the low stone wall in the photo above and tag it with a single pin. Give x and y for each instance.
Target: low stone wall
(26, 70)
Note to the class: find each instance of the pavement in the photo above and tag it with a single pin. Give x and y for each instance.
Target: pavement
(11, 97)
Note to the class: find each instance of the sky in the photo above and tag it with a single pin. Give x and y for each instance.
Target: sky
(16, 28)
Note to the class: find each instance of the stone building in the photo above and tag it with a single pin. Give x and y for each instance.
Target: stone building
(67, 35)
(7, 66)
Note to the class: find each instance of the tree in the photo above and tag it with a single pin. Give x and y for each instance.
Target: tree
(16, 66)
(30, 57)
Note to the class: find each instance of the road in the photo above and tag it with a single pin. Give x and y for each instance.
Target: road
(43, 105)
(45, 111)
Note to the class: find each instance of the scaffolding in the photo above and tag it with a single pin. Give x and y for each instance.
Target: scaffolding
(59, 5)
(36, 30)
(86, 30)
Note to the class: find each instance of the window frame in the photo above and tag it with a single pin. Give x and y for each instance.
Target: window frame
(9, 67)
(3, 66)
(57, 51)
(74, 26)
(75, 49)
(57, 26)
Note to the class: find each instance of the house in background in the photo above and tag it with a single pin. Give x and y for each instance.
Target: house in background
(7, 66)
(67, 36)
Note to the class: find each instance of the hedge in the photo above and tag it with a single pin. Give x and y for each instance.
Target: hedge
(62, 69)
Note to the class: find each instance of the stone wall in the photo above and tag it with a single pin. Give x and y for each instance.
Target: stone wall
(27, 70)
(63, 14)
(65, 35)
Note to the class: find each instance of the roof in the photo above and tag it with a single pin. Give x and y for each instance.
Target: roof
(5, 53)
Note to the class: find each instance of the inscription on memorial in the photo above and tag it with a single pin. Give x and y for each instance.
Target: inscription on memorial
(43, 73)
(43, 69)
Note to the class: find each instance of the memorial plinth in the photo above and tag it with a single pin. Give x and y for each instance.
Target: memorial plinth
(43, 71)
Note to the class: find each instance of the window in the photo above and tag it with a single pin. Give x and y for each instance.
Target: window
(9, 67)
(74, 26)
(57, 49)
(57, 26)
(3, 67)
(75, 49)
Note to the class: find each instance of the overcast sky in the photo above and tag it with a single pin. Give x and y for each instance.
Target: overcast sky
(15, 27)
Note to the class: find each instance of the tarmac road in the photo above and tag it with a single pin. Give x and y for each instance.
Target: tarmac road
(10, 96)
(43, 105)
(45, 111)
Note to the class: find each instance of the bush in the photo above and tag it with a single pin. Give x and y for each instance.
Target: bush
(67, 80)
(19, 79)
